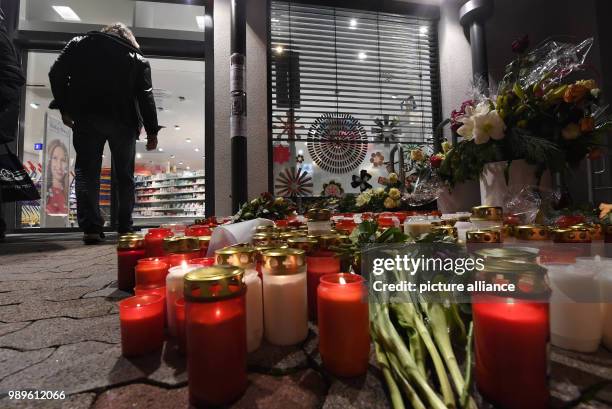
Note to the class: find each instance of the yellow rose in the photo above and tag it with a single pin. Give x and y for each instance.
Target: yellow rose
(392, 178)
(394, 193)
(389, 203)
(571, 131)
(417, 155)
(446, 146)
(588, 84)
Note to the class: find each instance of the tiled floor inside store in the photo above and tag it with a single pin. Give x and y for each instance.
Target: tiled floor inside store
(59, 331)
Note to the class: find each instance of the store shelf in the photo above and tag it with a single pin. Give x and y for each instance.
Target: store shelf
(167, 186)
(199, 199)
(171, 193)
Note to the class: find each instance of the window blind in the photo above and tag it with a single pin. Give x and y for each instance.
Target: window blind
(366, 64)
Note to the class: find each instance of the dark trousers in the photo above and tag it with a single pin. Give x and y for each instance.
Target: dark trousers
(90, 135)
(9, 116)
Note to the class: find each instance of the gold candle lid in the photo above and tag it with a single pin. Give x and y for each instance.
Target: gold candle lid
(265, 239)
(290, 234)
(446, 229)
(238, 256)
(204, 241)
(284, 261)
(308, 244)
(596, 230)
(491, 213)
(532, 232)
(183, 244)
(325, 241)
(528, 277)
(318, 214)
(513, 253)
(130, 241)
(266, 228)
(574, 234)
(483, 236)
(213, 283)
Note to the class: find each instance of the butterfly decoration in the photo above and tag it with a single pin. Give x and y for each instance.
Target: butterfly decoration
(293, 182)
(386, 129)
(332, 189)
(362, 180)
(281, 153)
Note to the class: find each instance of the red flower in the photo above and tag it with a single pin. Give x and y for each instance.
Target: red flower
(456, 114)
(520, 45)
(281, 154)
(435, 161)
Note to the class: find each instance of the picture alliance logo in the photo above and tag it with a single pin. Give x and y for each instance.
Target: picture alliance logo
(10, 177)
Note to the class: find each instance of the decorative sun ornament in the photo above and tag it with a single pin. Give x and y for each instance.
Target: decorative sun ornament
(332, 189)
(288, 125)
(337, 143)
(362, 180)
(293, 182)
(386, 129)
(377, 159)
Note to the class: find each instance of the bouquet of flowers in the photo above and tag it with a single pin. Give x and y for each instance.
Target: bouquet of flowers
(265, 206)
(379, 199)
(543, 113)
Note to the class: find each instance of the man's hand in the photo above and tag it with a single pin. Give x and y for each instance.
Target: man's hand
(151, 142)
(67, 120)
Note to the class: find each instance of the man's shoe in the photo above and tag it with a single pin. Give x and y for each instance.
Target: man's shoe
(93, 238)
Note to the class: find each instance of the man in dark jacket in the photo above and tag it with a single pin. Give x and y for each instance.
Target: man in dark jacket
(102, 85)
(11, 81)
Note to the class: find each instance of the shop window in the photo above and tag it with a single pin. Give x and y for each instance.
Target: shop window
(347, 86)
(170, 180)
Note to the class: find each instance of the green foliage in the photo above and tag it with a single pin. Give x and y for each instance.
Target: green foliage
(265, 206)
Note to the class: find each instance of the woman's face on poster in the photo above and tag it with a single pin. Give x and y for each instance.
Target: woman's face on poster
(59, 163)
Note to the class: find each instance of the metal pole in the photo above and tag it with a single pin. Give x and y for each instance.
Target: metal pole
(238, 100)
(472, 16)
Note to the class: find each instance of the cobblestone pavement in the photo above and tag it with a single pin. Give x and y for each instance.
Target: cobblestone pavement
(59, 331)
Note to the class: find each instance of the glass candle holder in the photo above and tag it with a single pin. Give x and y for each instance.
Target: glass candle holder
(285, 295)
(154, 241)
(245, 257)
(130, 249)
(319, 221)
(204, 244)
(511, 336)
(142, 324)
(179, 310)
(487, 217)
(197, 230)
(174, 291)
(151, 273)
(181, 248)
(215, 329)
(202, 261)
(161, 291)
(344, 326)
(318, 264)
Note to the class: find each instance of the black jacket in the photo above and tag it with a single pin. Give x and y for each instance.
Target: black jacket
(103, 74)
(11, 81)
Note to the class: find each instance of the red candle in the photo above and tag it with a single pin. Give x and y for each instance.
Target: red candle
(179, 310)
(161, 291)
(346, 225)
(163, 259)
(142, 324)
(176, 259)
(129, 250)
(151, 274)
(215, 328)
(511, 338)
(154, 241)
(317, 265)
(344, 332)
(204, 243)
(197, 230)
(203, 261)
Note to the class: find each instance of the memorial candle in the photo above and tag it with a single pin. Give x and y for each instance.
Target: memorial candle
(154, 241)
(284, 294)
(179, 249)
(203, 261)
(130, 249)
(204, 244)
(344, 332)
(142, 324)
(215, 328)
(174, 290)
(151, 273)
(319, 264)
(179, 309)
(244, 257)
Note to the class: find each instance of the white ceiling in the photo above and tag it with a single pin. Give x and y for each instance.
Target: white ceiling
(172, 79)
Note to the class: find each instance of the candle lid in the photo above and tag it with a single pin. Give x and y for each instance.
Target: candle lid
(264, 239)
(308, 244)
(595, 229)
(529, 278)
(532, 232)
(130, 241)
(291, 234)
(483, 236)
(318, 214)
(518, 253)
(265, 229)
(213, 283)
(183, 244)
(204, 241)
(446, 229)
(242, 256)
(325, 241)
(492, 213)
(574, 234)
(284, 261)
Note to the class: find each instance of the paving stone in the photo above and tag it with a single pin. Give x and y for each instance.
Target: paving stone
(272, 359)
(365, 392)
(43, 275)
(12, 327)
(12, 361)
(79, 401)
(31, 310)
(63, 331)
(17, 285)
(302, 390)
(56, 294)
(111, 292)
(142, 396)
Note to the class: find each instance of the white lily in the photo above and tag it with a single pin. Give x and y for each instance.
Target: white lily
(467, 129)
(488, 126)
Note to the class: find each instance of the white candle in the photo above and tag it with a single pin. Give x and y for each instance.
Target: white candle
(174, 291)
(285, 298)
(575, 315)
